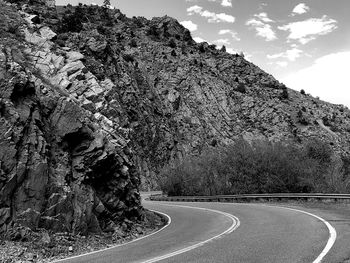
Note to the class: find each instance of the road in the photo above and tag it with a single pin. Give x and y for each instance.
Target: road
(262, 234)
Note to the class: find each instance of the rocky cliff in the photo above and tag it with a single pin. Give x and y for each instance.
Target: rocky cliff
(91, 100)
(63, 166)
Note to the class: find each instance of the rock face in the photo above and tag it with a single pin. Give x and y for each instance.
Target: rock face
(88, 107)
(63, 166)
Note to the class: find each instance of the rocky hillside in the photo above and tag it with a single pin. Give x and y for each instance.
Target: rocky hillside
(91, 101)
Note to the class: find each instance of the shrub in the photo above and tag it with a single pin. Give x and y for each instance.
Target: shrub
(223, 48)
(302, 92)
(258, 167)
(284, 94)
(128, 58)
(201, 48)
(2, 108)
(301, 118)
(172, 43)
(133, 43)
(153, 31)
(212, 47)
(241, 88)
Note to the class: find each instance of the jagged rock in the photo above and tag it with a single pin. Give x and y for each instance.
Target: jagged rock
(74, 56)
(57, 162)
(45, 239)
(96, 45)
(47, 33)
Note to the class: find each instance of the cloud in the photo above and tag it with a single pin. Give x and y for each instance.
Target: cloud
(327, 78)
(189, 25)
(194, 9)
(290, 54)
(199, 39)
(260, 22)
(231, 50)
(230, 32)
(300, 9)
(282, 64)
(227, 3)
(223, 41)
(224, 3)
(210, 16)
(263, 17)
(262, 29)
(310, 29)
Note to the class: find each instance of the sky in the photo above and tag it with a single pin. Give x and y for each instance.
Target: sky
(304, 44)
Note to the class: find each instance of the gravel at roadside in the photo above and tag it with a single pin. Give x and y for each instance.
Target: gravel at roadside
(41, 246)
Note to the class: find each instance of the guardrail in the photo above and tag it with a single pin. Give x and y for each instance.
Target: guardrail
(344, 198)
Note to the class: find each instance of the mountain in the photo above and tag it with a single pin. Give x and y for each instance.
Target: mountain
(93, 104)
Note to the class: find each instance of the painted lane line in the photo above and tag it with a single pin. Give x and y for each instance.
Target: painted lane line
(235, 224)
(331, 230)
(127, 243)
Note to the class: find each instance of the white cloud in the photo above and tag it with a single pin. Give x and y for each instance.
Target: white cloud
(224, 3)
(211, 16)
(260, 22)
(327, 78)
(307, 30)
(282, 64)
(227, 3)
(224, 18)
(230, 32)
(263, 30)
(199, 39)
(223, 41)
(189, 25)
(290, 54)
(194, 9)
(231, 50)
(263, 17)
(300, 9)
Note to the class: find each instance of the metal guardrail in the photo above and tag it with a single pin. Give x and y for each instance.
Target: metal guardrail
(255, 197)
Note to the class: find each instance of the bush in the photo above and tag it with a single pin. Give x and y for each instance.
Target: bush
(241, 88)
(201, 48)
(258, 167)
(133, 43)
(284, 94)
(153, 31)
(172, 43)
(2, 108)
(128, 58)
(302, 92)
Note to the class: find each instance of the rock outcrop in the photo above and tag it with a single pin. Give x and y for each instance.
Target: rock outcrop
(63, 166)
(92, 100)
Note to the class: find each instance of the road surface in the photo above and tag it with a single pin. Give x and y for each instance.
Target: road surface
(255, 233)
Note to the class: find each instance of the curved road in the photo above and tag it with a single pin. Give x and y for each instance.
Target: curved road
(265, 234)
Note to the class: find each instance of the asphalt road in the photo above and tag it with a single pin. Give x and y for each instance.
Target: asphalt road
(265, 234)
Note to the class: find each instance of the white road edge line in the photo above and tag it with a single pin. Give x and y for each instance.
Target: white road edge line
(331, 229)
(332, 232)
(123, 244)
(235, 224)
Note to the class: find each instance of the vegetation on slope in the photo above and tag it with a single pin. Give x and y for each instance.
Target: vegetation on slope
(259, 167)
